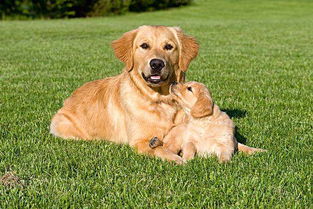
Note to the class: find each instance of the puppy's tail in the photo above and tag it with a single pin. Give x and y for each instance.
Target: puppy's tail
(249, 150)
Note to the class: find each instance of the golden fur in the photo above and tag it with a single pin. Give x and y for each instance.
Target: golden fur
(127, 108)
(208, 130)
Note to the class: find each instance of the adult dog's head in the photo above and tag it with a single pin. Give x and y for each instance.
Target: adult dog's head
(156, 55)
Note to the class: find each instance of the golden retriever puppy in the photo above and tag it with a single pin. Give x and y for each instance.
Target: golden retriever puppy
(131, 107)
(208, 131)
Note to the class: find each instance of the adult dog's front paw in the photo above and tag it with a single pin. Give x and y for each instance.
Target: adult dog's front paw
(155, 142)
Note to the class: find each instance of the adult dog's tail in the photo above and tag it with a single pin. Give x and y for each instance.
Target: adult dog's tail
(249, 150)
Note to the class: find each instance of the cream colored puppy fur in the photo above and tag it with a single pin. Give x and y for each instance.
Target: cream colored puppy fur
(208, 131)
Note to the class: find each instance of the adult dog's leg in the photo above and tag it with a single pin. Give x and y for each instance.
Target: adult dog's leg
(162, 152)
(63, 125)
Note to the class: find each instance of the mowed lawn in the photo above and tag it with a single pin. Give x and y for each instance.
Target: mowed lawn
(255, 56)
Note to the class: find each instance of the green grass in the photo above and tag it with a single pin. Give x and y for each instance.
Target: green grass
(255, 56)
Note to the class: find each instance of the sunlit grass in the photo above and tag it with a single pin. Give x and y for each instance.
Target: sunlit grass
(255, 56)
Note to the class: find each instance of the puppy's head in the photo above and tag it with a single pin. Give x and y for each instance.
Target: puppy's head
(158, 55)
(194, 98)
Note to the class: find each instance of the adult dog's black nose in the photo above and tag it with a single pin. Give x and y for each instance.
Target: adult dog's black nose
(157, 64)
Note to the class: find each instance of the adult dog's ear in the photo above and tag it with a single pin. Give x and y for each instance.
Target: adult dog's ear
(203, 107)
(188, 49)
(123, 48)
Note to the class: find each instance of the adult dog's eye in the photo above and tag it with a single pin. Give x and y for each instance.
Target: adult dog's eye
(144, 46)
(168, 47)
(189, 88)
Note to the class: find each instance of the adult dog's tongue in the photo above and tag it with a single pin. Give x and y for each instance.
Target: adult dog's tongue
(155, 77)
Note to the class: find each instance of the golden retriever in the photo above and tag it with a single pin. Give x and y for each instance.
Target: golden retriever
(132, 107)
(208, 130)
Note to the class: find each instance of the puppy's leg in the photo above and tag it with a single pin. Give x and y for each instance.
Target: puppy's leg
(225, 156)
(223, 151)
(189, 151)
(180, 117)
(160, 151)
(168, 149)
(174, 145)
(174, 139)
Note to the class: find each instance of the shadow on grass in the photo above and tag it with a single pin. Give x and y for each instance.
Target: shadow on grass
(237, 113)
(240, 138)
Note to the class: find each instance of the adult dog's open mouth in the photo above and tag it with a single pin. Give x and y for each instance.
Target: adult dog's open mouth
(154, 79)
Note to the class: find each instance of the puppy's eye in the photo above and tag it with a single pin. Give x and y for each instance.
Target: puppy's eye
(168, 47)
(189, 88)
(144, 46)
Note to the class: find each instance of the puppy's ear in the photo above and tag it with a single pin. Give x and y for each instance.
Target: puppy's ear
(203, 107)
(188, 49)
(123, 48)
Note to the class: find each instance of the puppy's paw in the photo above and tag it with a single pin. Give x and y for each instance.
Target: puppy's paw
(155, 142)
(224, 157)
(179, 160)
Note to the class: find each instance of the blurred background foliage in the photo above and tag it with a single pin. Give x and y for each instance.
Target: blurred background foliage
(30, 9)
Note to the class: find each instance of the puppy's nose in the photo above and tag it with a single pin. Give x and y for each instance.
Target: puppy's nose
(157, 64)
(174, 83)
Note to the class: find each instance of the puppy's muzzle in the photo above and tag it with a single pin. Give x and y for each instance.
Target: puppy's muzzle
(173, 86)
